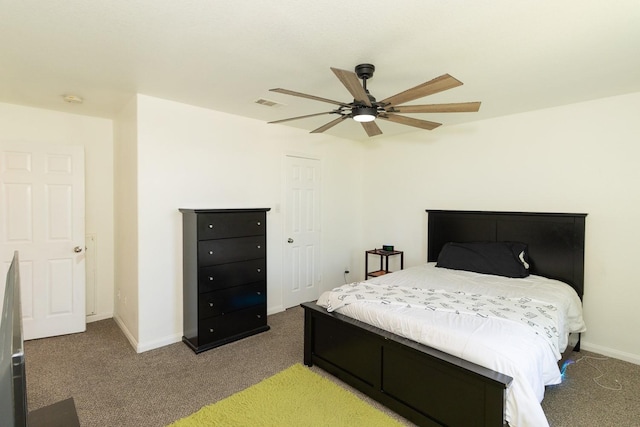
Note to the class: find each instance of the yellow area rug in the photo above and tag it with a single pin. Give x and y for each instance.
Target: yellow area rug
(296, 396)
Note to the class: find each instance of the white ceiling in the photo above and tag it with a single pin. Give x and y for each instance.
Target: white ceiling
(513, 55)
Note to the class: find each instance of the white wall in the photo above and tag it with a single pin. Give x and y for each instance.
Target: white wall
(34, 125)
(576, 158)
(126, 221)
(579, 158)
(190, 157)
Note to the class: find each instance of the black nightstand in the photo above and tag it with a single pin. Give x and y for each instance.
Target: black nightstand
(384, 257)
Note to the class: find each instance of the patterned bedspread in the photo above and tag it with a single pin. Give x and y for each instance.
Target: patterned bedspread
(541, 316)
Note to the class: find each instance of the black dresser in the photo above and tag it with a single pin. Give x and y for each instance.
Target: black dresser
(224, 275)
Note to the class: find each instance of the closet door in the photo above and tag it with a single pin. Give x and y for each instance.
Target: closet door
(42, 216)
(301, 266)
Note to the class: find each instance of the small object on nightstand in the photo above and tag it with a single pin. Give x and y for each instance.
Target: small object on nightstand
(384, 255)
(387, 247)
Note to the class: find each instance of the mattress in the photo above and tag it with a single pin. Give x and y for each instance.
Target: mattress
(449, 310)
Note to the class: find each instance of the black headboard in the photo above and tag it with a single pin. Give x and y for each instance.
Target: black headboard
(555, 240)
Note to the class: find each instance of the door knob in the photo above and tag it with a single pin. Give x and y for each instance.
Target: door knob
(290, 240)
(77, 249)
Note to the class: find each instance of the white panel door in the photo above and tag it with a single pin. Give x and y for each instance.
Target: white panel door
(302, 230)
(42, 216)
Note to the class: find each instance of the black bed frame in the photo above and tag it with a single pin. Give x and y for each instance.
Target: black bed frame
(427, 386)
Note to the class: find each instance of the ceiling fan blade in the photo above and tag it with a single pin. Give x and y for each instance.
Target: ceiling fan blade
(350, 80)
(436, 85)
(458, 107)
(302, 117)
(422, 124)
(304, 95)
(371, 128)
(329, 125)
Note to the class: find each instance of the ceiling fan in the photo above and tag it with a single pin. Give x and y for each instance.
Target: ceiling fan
(365, 109)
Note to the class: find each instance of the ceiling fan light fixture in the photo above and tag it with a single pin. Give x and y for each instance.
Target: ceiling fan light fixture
(364, 114)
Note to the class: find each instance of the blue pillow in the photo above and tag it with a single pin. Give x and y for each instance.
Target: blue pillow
(509, 259)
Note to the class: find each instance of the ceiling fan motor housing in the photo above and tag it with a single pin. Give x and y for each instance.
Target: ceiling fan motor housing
(365, 71)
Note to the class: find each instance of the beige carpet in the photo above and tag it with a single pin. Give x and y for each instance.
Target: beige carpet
(114, 386)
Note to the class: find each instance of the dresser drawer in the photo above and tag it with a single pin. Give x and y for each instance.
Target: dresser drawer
(237, 322)
(232, 274)
(212, 252)
(225, 225)
(231, 299)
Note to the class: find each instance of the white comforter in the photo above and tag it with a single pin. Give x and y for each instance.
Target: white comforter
(501, 344)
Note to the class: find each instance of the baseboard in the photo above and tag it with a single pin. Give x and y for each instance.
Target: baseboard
(96, 317)
(610, 352)
(126, 332)
(141, 347)
(274, 310)
(161, 342)
(172, 339)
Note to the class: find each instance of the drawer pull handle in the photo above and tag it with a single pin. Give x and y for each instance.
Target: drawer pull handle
(259, 224)
(210, 252)
(259, 293)
(210, 304)
(211, 278)
(211, 330)
(259, 270)
(259, 316)
(259, 246)
(210, 225)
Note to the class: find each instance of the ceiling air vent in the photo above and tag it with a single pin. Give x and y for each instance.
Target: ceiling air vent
(267, 102)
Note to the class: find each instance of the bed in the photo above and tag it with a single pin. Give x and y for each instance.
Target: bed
(428, 386)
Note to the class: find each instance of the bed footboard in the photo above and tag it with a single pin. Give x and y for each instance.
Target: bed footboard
(424, 385)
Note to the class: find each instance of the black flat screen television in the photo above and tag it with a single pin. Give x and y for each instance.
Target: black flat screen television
(13, 384)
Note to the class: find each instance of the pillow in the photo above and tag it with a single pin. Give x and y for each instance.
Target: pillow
(509, 259)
